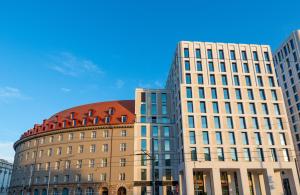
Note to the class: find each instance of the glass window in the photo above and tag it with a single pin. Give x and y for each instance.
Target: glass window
(240, 108)
(215, 107)
(232, 55)
(252, 108)
(262, 94)
(143, 131)
(211, 66)
(224, 80)
(166, 131)
(255, 123)
(274, 95)
(247, 154)
(155, 131)
(266, 56)
(257, 138)
(189, 92)
(186, 53)
(244, 55)
(190, 106)
(248, 80)
(198, 54)
(229, 122)
(245, 68)
(238, 94)
(220, 153)
(231, 138)
(276, 109)
(217, 123)
(255, 56)
(205, 137)
(207, 154)
(271, 82)
(201, 92)
(193, 154)
(212, 79)
(143, 108)
(209, 54)
(191, 122)
(267, 123)
(222, 67)
(214, 93)
(273, 154)
(219, 137)
(200, 78)
(167, 145)
(236, 80)
(226, 93)
(199, 66)
(204, 122)
(245, 138)
(188, 78)
(228, 107)
(233, 153)
(243, 123)
(260, 81)
(144, 145)
(234, 67)
(221, 54)
(260, 154)
(270, 139)
(282, 139)
(269, 68)
(192, 137)
(202, 107)
(250, 94)
(257, 68)
(187, 65)
(153, 98)
(286, 156)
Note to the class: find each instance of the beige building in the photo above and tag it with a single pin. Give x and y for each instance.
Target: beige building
(83, 150)
(287, 65)
(231, 122)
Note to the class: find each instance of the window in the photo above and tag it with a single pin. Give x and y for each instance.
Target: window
(270, 139)
(257, 68)
(143, 108)
(81, 135)
(231, 138)
(233, 153)
(222, 67)
(248, 80)
(167, 145)
(122, 176)
(255, 123)
(105, 148)
(91, 163)
(166, 131)
(187, 65)
(260, 154)
(123, 147)
(255, 56)
(204, 122)
(214, 93)
(189, 92)
(245, 68)
(269, 68)
(285, 153)
(143, 174)
(236, 80)
(279, 123)
(122, 162)
(186, 53)
(245, 138)
(262, 94)
(240, 108)
(271, 82)
(123, 118)
(103, 162)
(219, 138)
(192, 137)
(221, 54)
(226, 93)
(93, 135)
(90, 177)
(154, 131)
(228, 107)
(190, 106)
(232, 55)
(257, 138)
(201, 93)
(215, 107)
(198, 54)
(207, 154)
(191, 121)
(209, 54)
(202, 107)
(247, 155)
(250, 94)
(205, 137)
(212, 79)
(167, 160)
(244, 55)
(144, 145)
(267, 123)
(79, 164)
(217, 123)
(224, 80)
(273, 154)
(103, 177)
(229, 122)
(266, 56)
(238, 94)
(276, 109)
(80, 149)
(123, 133)
(220, 154)
(260, 81)
(193, 154)
(93, 148)
(143, 131)
(105, 133)
(200, 79)
(234, 67)
(282, 139)
(199, 66)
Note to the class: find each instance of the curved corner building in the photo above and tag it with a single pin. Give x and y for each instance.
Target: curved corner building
(83, 150)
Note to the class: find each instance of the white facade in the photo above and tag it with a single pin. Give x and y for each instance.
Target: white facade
(287, 65)
(231, 123)
(5, 175)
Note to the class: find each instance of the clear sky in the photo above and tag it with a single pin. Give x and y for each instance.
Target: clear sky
(58, 54)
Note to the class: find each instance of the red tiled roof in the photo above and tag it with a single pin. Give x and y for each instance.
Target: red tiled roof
(99, 110)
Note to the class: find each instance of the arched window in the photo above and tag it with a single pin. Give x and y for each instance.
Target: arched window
(36, 192)
(122, 191)
(90, 191)
(44, 192)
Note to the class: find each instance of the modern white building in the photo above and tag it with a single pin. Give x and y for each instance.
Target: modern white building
(5, 175)
(287, 65)
(230, 121)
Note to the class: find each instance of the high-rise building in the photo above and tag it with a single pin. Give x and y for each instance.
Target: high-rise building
(5, 175)
(287, 65)
(231, 122)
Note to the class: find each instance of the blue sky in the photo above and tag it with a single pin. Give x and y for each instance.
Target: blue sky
(59, 54)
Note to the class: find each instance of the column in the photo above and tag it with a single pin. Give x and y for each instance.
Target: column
(231, 183)
(256, 182)
(189, 181)
(216, 181)
(273, 182)
(207, 183)
(244, 183)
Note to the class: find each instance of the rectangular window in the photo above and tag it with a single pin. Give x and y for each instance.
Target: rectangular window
(193, 154)
(214, 93)
(217, 123)
(234, 67)
(222, 67)
(238, 94)
(244, 55)
(199, 66)
(143, 174)
(202, 107)
(220, 154)
(207, 154)
(231, 138)
(205, 137)
(219, 138)
(200, 79)
(260, 154)
(240, 108)
(144, 145)
(233, 153)
(252, 108)
(186, 53)
(215, 107)
(167, 145)
(250, 94)
(143, 131)
(266, 56)
(188, 78)
(187, 65)
(257, 138)
(201, 93)
(247, 154)
(236, 80)
(273, 154)
(209, 54)
(224, 80)
(285, 153)
(229, 122)
(198, 54)
(255, 56)
(228, 107)
(226, 93)
(192, 137)
(191, 121)
(270, 139)
(211, 66)
(245, 68)
(232, 55)
(248, 80)
(257, 68)
(190, 106)
(245, 138)
(189, 92)
(204, 122)
(221, 54)
(212, 79)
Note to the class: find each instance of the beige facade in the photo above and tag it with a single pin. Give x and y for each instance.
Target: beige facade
(231, 121)
(87, 159)
(287, 65)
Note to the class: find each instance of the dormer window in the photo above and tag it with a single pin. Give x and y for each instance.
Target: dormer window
(107, 119)
(110, 111)
(90, 113)
(96, 120)
(84, 121)
(74, 123)
(64, 124)
(72, 115)
(123, 118)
